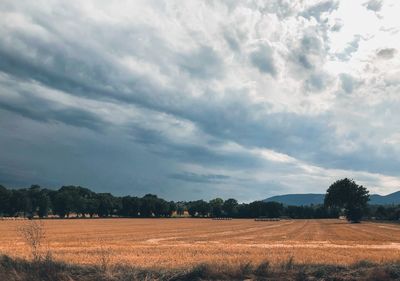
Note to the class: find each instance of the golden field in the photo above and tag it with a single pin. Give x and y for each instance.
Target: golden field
(183, 242)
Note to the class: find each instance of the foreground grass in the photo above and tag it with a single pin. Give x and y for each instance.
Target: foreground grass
(48, 270)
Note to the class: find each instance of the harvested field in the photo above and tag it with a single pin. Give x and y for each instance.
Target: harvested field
(182, 242)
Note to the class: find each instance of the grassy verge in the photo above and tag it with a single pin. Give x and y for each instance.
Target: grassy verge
(48, 270)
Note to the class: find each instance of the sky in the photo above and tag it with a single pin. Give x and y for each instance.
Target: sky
(200, 99)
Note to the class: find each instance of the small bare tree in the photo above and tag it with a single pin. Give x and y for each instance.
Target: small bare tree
(33, 233)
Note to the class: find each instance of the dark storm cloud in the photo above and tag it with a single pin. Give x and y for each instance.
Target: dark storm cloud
(45, 111)
(84, 73)
(361, 159)
(162, 146)
(199, 178)
(65, 74)
(284, 132)
(57, 155)
(76, 75)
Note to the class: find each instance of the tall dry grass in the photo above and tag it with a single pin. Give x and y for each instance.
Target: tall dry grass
(22, 270)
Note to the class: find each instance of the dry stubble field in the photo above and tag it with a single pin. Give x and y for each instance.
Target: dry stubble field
(183, 242)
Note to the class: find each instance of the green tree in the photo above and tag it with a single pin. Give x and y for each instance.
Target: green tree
(161, 207)
(148, 205)
(130, 206)
(43, 204)
(5, 195)
(106, 204)
(92, 205)
(199, 208)
(230, 207)
(216, 207)
(20, 202)
(272, 209)
(63, 204)
(348, 195)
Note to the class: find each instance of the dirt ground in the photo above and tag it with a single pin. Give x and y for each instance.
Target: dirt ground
(183, 242)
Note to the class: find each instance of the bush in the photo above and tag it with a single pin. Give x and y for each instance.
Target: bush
(22, 270)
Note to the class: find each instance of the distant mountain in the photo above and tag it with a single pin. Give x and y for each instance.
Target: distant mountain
(393, 198)
(313, 198)
(298, 199)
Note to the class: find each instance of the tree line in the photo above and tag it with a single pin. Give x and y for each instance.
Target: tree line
(78, 201)
(82, 202)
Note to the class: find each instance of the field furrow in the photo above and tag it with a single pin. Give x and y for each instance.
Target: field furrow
(182, 242)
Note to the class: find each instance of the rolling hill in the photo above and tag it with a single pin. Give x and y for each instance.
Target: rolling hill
(315, 198)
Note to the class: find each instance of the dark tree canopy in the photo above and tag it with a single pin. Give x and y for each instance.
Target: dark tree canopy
(346, 194)
(216, 207)
(229, 207)
(81, 202)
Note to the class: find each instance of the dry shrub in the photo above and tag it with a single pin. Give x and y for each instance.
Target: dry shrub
(34, 235)
(378, 274)
(301, 275)
(394, 270)
(200, 271)
(263, 269)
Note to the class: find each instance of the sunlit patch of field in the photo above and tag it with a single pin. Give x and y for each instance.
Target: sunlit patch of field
(183, 242)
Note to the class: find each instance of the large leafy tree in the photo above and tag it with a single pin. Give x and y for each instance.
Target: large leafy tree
(105, 204)
(130, 206)
(63, 203)
(230, 207)
(148, 205)
(347, 194)
(216, 207)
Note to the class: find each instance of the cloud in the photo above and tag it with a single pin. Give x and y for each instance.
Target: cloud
(351, 48)
(318, 9)
(203, 63)
(310, 49)
(263, 60)
(374, 5)
(317, 82)
(337, 26)
(192, 177)
(387, 53)
(347, 82)
(245, 98)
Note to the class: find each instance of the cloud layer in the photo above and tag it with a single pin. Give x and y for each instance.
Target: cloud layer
(200, 99)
